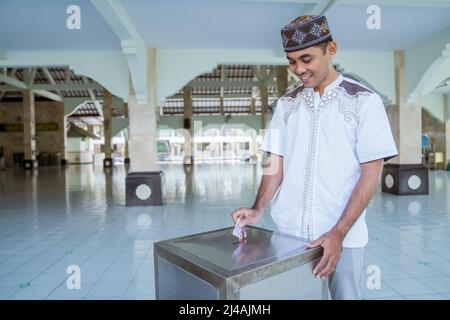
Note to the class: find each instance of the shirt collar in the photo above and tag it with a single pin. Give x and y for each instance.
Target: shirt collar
(335, 83)
(332, 85)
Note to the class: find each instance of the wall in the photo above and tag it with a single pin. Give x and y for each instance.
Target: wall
(176, 122)
(109, 68)
(46, 112)
(435, 128)
(175, 68)
(377, 68)
(393, 116)
(420, 56)
(434, 103)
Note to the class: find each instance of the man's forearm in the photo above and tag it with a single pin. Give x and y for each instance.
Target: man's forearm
(270, 182)
(361, 195)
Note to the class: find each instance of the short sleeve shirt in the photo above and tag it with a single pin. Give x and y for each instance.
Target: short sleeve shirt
(323, 141)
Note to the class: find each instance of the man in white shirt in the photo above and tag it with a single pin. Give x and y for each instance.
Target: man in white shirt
(327, 142)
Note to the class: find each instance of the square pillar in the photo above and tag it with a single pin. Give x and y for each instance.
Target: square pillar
(107, 130)
(62, 132)
(29, 130)
(264, 94)
(144, 184)
(405, 174)
(187, 126)
(447, 132)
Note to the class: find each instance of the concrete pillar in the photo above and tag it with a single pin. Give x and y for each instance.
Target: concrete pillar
(253, 107)
(127, 148)
(264, 94)
(405, 174)
(447, 130)
(62, 132)
(107, 129)
(189, 148)
(144, 183)
(127, 137)
(222, 107)
(29, 133)
(142, 140)
(282, 80)
(410, 118)
(254, 148)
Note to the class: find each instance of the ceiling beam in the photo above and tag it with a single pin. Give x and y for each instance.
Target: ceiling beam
(50, 78)
(321, 7)
(31, 77)
(69, 86)
(224, 84)
(19, 85)
(3, 71)
(132, 43)
(94, 98)
(48, 95)
(55, 87)
(212, 96)
(12, 72)
(67, 74)
(13, 82)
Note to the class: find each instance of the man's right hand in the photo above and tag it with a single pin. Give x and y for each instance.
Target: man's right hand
(247, 215)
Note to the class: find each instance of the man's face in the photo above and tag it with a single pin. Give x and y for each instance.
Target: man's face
(311, 65)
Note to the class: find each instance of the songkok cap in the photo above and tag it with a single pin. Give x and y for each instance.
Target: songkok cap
(304, 32)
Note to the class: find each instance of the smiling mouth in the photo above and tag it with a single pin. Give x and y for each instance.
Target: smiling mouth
(306, 78)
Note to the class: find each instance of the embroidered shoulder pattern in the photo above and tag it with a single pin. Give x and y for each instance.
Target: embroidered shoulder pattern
(352, 97)
(353, 88)
(291, 103)
(293, 93)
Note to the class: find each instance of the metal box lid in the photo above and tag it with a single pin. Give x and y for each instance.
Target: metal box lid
(221, 253)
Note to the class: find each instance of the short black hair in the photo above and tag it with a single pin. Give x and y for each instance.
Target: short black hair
(323, 45)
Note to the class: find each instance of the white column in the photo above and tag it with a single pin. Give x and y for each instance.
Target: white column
(264, 94)
(189, 146)
(29, 134)
(410, 118)
(62, 131)
(143, 135)
(107, 115)
(447, 130)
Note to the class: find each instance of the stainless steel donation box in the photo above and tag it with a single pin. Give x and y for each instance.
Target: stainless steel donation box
(214, 265)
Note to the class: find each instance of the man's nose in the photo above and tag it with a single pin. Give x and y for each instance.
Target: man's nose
(300, 69)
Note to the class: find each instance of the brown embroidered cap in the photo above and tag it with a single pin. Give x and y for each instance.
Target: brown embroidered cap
(304, 32)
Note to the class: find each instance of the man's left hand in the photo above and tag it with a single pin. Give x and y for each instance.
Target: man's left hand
(331, 242)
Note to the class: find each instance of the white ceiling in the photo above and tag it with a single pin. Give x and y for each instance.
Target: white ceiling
(239, 24)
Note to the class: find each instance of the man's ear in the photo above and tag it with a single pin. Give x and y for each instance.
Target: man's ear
(332, 49)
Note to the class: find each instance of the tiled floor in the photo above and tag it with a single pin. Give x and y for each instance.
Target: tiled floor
(54, 218)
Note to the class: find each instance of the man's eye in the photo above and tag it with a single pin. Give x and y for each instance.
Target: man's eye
(291, 62)
(306, 60)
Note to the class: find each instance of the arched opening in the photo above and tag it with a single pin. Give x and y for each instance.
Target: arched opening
(432, 95)
(66, 117)
(225, 111)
